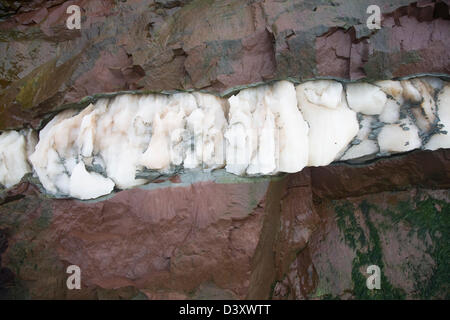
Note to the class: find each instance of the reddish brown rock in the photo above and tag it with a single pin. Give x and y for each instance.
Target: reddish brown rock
(393, 213)
(142, 239)
(294, 237)
(214, 46)
(419, 168)
(380, 229)
(304, 236)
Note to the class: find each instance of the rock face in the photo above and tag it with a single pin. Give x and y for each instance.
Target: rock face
(131, 140)
(224, 149)
(381, 219)
(286, 237)
(208, 45)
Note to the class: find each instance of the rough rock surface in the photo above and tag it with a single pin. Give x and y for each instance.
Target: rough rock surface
(215, 46)
(308, 235)
(133, 139)
(239, 238)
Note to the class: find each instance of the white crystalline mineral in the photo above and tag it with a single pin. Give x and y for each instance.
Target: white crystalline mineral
(243, 130)
(88, 185)
(99, 134)
(425, 114)
(365, 98)
(265, 156)
(325, 93)
(31, 141)
(410, 92)
(366, 145)
(53, 158)
(291, 128)
(207, 123)
(393, 89)
(168, 128)
(391, 111)
(261, 130)
(442, 139)
(435, 83)
(122, 135)
(238, 147)
(400, 137)
(330, 130)
(266, 132)
(13, 158)
(127, 134)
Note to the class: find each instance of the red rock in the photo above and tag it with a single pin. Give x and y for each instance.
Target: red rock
(214, 47)
(293, 237)
(236, 240)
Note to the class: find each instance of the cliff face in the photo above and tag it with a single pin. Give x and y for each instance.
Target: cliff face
(208, 45)
(305, 235)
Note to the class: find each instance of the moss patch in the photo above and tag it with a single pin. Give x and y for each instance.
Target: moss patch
(368, 251)
(430, 218)
(426, 217)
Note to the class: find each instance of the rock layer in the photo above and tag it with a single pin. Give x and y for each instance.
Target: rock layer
(196, 231)
(131, 140)
(237, 238)
(208, 45)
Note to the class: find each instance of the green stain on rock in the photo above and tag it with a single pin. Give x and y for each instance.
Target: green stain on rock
(45, 219)
(381, 64)
(430, 218)
(353, 233)
(373, 255)
(368, 249)
(426, 217)
(29, 90)
(18, 256)
(40, 85)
